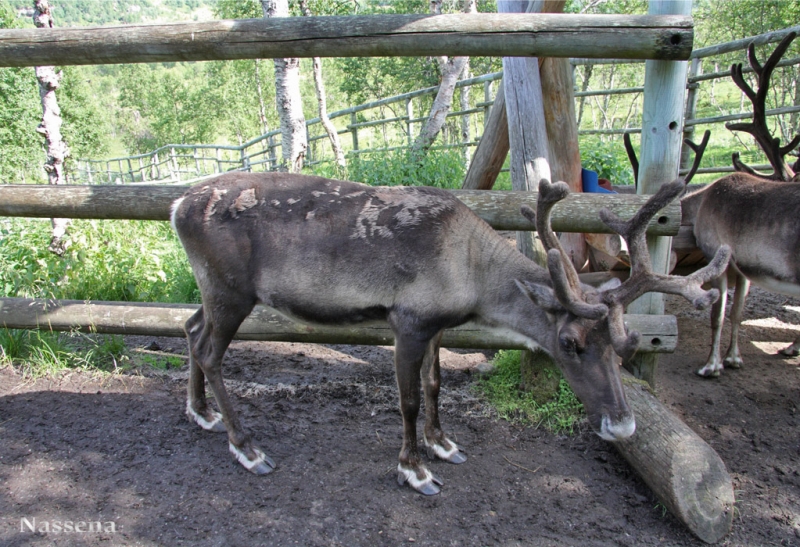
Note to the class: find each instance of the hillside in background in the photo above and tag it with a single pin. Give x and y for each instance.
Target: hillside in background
(74, 13)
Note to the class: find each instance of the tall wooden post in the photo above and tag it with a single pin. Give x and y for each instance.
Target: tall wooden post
(662, 132)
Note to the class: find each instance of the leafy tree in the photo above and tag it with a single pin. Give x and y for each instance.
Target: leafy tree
(20, 113)
(164, 106)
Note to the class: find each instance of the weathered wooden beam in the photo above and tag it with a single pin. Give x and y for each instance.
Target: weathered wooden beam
(484, 34)
(577, 213)
(683, 471)
(659, 333)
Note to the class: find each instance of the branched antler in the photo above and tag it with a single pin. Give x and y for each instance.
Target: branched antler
(699, 150)
(566, 283)
(758, 127)
(642, 278)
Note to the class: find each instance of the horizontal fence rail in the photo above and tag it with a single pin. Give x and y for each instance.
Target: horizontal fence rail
(484, 34)
(389, 124)
(659, 332)
(576, 213)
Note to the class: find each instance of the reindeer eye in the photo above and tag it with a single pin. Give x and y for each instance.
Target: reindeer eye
(568, 345)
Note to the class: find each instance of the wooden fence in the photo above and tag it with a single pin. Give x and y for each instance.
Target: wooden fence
(390, 124)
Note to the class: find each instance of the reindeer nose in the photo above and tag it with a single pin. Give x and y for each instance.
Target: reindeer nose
(611, 430)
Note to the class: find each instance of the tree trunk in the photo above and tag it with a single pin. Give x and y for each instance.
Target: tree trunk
(50, 128)
(262, 107)
(562, 131)
(464, 104)
(451, 68)
(492, 148)
(530, 162)
(319, 86)
(294, 141)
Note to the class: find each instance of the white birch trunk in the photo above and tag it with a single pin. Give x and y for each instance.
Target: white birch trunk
(294, 141)
(50, 128)
(319, 86)
(451, 69)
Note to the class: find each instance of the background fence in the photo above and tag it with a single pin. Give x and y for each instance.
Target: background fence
(604, 115)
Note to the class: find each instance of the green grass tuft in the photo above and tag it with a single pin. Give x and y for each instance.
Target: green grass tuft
(501, 389)
(42, 353)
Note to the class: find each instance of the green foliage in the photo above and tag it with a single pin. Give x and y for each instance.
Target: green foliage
(86, 122)
(105, 260)
(440, 168)
(42, 353)
(501, 388)
(165, 105)
(608, 159)
(20, 113)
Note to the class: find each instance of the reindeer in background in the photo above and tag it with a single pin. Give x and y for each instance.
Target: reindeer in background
(757, 215)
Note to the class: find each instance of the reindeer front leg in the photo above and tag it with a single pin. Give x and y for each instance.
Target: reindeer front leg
(436, 442)
(409, 352)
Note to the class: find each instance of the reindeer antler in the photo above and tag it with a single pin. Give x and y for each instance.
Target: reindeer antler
(699, 150)
(758, 127)
(642, 278)
(566, 283)
(626, 138)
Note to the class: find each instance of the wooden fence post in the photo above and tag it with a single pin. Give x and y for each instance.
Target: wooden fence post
(662, 132)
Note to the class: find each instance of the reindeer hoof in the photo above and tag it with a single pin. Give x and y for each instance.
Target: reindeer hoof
(259, 464)
(452, 454)
(428, 485)
(209, 420)
(709, 371)
(790, 351)
(733, 362)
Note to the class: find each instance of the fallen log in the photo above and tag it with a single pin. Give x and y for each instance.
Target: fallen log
(659, 332)
(576, 213)
(681, 469)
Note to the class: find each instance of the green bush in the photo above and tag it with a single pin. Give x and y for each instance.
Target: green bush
(105, 260)
(439, 168)
(608, 160)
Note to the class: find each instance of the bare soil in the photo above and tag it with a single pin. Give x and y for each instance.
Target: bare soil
(118, 449)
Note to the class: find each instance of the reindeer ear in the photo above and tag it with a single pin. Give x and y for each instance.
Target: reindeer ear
(612, 283)
(542, 296)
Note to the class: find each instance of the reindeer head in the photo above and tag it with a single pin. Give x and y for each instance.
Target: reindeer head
(591, 336)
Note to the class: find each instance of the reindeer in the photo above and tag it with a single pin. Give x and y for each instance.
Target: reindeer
(756, 215)
(335, 252)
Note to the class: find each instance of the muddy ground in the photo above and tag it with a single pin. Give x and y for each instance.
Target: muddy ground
(119, 450)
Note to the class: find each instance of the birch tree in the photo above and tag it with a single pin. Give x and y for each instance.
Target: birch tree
(319, 86)
(294, 141)
(450, 68)
(50, 127)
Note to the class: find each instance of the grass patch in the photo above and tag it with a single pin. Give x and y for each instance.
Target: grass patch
(501, 388)
(42, 353)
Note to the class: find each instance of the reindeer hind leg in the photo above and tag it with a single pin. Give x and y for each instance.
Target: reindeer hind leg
(209, 339)
(733, 358)
(197, 408)
(713, 365)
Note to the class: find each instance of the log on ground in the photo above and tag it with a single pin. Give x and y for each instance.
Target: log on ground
(683, 471)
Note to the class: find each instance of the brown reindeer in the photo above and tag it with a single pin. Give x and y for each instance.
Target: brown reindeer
(756, 215)
(335, 252)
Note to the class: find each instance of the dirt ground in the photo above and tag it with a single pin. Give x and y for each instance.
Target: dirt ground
(119, 450)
